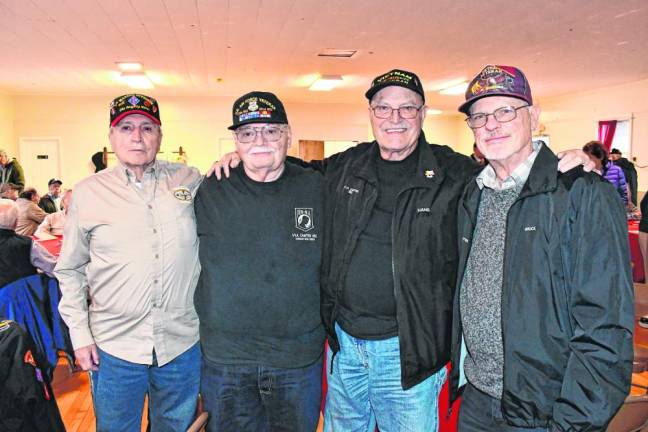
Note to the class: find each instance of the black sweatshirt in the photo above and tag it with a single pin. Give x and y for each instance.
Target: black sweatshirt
(260, 249)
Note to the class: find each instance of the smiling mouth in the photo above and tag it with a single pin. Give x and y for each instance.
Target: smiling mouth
(395, 130)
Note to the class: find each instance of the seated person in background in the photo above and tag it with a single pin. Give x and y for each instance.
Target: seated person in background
(9, 191)
(51, 202)
(612, 173)
(53, 223)
(29, 214)
(19, 255)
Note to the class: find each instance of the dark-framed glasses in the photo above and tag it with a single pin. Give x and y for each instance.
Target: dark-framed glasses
(406, 111)
(268, 133)
(503, 115)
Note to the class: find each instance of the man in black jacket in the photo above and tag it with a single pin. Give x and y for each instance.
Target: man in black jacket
(51, 203)
(544, 304)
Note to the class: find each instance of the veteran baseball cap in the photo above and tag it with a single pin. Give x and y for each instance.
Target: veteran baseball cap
(396, 77)
(495, 80)
(54, 180)
(258, 107)
(133, 103)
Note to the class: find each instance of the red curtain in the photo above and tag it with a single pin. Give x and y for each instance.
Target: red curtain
(606, 132)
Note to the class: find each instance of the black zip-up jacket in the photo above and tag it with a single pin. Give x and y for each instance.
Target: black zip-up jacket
(567, 300)
(424, 246)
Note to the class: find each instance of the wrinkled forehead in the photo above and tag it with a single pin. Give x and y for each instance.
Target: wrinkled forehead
(396, 95)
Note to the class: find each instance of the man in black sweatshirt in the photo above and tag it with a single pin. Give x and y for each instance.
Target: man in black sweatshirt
(258, 295)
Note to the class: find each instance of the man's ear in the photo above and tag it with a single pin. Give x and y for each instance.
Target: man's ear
(534, 112)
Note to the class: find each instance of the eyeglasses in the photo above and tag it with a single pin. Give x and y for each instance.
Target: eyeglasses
(268, 133)
(503, 115)
(406, 112)
(145, 129)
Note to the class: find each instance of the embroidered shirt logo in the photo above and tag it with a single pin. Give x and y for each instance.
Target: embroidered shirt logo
(182, 194)
(530, 228)
(350, 190)
(423, 210)
(304, 219)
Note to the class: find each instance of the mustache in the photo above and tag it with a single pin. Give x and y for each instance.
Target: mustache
(261, 149)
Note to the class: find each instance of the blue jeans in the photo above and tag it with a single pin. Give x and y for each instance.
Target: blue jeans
(119, 388)
(260, 398)
(480, 412)
(365, 389)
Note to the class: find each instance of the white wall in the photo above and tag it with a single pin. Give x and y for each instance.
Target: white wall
(8, 140)
(572, 120)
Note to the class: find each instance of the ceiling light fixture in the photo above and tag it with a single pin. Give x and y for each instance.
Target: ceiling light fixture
(334, 52)
(130, 66)
(456, 89)
(326, 83)
(137, 80)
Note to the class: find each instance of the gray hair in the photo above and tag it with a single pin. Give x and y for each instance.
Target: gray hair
(3, 152)
(8, 214)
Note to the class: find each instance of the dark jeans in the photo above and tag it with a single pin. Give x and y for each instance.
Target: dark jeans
(480, 412)
(260, 398)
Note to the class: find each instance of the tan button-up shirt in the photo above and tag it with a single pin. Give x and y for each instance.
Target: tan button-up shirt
(130, 250)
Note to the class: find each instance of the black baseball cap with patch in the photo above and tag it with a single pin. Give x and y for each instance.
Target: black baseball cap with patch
(53, 181)
(396, 77)
(258, 107)
(134, 103)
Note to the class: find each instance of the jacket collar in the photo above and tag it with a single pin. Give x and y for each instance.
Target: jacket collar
(428, 170)
(543, 177)
(544, 174)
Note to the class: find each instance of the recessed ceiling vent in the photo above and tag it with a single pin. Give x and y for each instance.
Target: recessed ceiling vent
(339, 53)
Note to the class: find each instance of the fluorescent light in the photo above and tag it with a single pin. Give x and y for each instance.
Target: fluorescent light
(137, 80)
(456, 89)
(326, 83)
(129, 66)
(434, 111)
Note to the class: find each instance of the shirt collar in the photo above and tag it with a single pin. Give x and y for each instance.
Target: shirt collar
(127, 175)
(517, 178)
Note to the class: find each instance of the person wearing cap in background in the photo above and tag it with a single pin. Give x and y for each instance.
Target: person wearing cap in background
(388, 266)
(51, 203)
(131, 250)
(544, 303)
(54, 223)
(258, 295)
(11, 171)
(629, 171)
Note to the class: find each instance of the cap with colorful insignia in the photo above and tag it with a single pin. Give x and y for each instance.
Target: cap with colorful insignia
(396, 77)
(495, 80)
(258, 107)
(133, 103)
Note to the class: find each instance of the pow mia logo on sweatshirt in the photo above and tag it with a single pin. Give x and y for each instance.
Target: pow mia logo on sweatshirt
(305, 222)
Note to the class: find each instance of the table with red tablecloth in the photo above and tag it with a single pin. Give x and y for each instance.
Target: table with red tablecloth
(53, 246)
(635, 252)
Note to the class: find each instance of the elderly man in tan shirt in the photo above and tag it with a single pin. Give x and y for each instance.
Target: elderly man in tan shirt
(128, 270)
(29, 214)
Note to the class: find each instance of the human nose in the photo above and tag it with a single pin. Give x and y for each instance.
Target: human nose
(395, 115)
(491, 122)
(136, 135)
